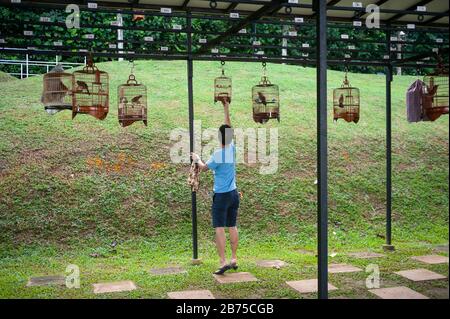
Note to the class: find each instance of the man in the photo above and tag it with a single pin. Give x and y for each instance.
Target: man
(226, 197)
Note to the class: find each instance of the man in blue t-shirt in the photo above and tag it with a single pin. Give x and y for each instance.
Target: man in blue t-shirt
(226, 197)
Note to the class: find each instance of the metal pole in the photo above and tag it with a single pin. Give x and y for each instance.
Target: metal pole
(322, 153)
(120, 34)
(26, 65)
(190, 73)
(21, 70)
(388, 246)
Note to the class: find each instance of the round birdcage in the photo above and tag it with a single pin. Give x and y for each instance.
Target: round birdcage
(57, 90)
(222, 87)
(132, 102)
(90, 92)
(346, 102)
(265, 100)
(435, 100)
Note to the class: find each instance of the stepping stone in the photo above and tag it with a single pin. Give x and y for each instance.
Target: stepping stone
(235, 277)
(168, 271)
(307, 286)
(431, 259)
(397, 293)
(342, 268)
(116, 286)
(271, 263)
(365, 255)
(442, 248)
(420, 274)
(46, 281)
(191, 294)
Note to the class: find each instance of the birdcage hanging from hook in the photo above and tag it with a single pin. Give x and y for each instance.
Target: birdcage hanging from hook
(346, 101)
(132, 101)
(265, 99)
(90, 91)
(435, 100)
(222, 87)
(57, 90)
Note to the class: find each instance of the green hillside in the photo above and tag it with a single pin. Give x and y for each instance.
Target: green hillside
(82, 183)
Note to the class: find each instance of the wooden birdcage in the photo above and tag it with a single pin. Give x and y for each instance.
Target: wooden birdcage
(90, 92)
(57, 90)
(222, 87)
(435, 98)
(265, 100)
(346, 102)
(132, 101)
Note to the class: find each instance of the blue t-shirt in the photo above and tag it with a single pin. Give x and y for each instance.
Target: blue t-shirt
(223, 164)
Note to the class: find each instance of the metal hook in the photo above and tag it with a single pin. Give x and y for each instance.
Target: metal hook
(222, 63)
(132, 66)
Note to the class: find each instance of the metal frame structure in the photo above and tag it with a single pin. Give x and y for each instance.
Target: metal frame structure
(298, 15)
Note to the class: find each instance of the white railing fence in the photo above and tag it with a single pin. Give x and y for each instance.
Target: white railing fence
(46, 66)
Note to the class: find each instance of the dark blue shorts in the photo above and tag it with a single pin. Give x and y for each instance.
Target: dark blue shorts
(225, 209)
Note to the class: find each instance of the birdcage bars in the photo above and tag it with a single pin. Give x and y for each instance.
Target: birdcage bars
(346, 102)
(57, 90)
(222, 87)
(435, 100)
(90, 92)
(132, 99)
(265, 100)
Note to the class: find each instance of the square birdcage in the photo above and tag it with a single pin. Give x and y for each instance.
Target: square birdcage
(435, 99)
(90, 92)
(57, 90)
(265, 100)
(346, 102)
(132, 99)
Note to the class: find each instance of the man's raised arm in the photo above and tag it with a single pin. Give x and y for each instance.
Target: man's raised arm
(226, 109)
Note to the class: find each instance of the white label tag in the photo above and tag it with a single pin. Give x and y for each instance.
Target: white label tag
(393, 49)
(351, 47)
(293, 1)
(435, 50)
(357, 23)
(45, 19)
(92, 5)
(89, 36)
(130, 52)
(394, 39)
(357, 5)
(299, 20)
(256, 42)
(386, 57)
(421, 8)
(440, 40)
(411, 26)
(214, 50)
(148, 39)
(57, 43)
(26, 32)
(243, 31)
(305, 55)
(164, 49)
(177, 27)
(347, 56)
(305, 45)
(2, 41)
(113, 46)
(166, 10)
(83, 50)
(344, 36)
(202, 41)
(419, 62)
(292, 33)
(260, 52)
(115, 23)
(16, 1)
(234, 15)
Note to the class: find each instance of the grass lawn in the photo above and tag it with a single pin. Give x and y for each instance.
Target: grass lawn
(69, 188)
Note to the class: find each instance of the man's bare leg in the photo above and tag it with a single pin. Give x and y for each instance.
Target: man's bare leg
(220, 244)
(234, 240)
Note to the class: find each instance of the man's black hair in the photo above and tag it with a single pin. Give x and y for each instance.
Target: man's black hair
(225, 134)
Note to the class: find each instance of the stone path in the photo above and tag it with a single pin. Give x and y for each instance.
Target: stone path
(307, 286)
(116, 286)
(168, 271)
(191, 294)
(397, 293)
(342, 268)
(420, 274)
(235, 277)
(365, 255)
(431, 259)
(46, 281)
(271, 263)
